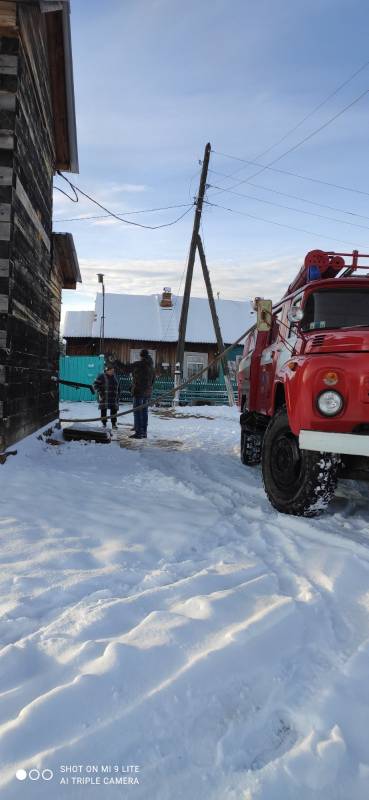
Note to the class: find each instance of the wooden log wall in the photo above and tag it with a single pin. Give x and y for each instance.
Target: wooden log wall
(30, 282)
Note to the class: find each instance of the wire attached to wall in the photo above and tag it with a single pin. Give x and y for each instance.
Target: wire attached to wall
(110, 213)
(126, 213)
(73, 199)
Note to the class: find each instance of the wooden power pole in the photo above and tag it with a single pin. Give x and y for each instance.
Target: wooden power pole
(191, 260)
(214, 315)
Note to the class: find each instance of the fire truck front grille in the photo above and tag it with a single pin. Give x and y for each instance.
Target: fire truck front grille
(317, 341)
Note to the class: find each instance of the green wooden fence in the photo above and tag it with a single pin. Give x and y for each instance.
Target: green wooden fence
(198, 392)
(83, 369)
(86, 368)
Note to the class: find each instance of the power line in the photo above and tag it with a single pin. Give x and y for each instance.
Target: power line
(195, 175)
(278, 224)
(301, 142)
(293, 174)
(290, 208)
(73, 199)
(122, 219)
(314, 110)
(307, 116)
(298, 197)
(126, 213)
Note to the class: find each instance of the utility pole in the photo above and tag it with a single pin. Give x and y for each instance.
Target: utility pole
(191, 260)
(214, 315)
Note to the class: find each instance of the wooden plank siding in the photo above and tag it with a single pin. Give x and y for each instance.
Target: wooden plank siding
(9, 47)
(8, 14)
(120, 350)
(30, 281)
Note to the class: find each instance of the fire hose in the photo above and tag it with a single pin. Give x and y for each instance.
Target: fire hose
(75, 384)
(170, 392)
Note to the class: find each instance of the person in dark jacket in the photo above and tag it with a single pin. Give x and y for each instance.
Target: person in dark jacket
(107, 387)
(143, 376)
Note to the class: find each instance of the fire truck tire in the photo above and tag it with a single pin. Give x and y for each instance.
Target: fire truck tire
(300, 482)
(250, 448)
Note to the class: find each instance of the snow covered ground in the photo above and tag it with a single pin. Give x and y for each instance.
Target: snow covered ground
(158, 613)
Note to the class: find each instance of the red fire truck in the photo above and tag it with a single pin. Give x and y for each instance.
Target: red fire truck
(303, 384)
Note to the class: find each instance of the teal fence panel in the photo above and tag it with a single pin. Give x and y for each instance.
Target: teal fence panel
(212, 393)
(161, 385)
(125, 394)
(83, 369)
(197, 393)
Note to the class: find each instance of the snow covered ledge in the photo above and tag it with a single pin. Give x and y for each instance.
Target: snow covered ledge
(350, 444)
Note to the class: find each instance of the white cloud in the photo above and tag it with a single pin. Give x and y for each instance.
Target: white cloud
(233, 280)
(128, 187)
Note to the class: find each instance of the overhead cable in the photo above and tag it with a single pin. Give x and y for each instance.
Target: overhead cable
(307, 116)
(301, 142)
(278, 224)
(291, 208)
(74, 199)
(314, 110)
(122, 219)
(298, 197)
(293, 174)
(126, 213)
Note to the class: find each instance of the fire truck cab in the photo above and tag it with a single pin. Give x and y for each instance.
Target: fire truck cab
(303, 384)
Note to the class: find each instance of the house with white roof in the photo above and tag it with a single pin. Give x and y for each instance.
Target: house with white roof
(133, 322)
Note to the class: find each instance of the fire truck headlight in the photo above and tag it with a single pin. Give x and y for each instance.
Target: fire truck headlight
(330, 403)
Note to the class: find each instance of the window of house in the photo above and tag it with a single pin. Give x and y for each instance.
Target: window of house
(194, 367)
(134, 355)
(194, 363)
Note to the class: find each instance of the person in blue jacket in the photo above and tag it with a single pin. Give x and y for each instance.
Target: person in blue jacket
(143, 376)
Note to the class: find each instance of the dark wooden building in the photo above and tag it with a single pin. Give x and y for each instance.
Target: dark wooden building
(37, 137)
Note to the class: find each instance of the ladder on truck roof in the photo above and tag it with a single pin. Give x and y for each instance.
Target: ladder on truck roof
(320, 264)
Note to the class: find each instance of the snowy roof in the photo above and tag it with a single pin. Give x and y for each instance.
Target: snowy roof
(141, 318)
(78, 323)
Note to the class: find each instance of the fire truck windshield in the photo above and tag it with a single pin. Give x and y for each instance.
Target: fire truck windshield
(337, 308)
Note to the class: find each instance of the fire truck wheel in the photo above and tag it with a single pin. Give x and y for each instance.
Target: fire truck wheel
(250, 450)
(300, 482)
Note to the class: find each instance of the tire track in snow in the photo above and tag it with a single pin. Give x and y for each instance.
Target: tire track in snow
(168, 663)
(185, 672)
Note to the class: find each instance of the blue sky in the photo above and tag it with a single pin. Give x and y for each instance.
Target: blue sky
(156, 79)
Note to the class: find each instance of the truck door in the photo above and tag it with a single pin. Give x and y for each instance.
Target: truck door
(287, 337)
(268, 363)
(244, 371)
(293, 338)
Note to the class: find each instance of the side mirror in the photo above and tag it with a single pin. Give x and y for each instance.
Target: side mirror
(264, 312)
(295, 314)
